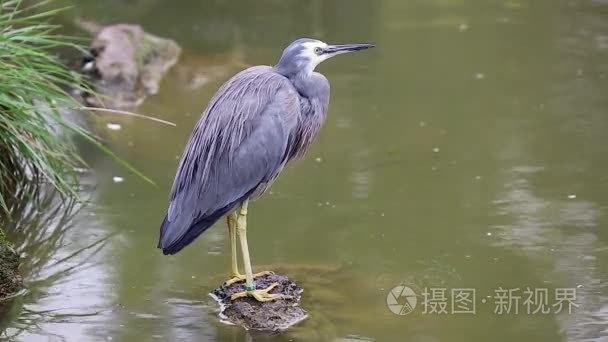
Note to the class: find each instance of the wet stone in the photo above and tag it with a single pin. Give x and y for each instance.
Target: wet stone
(273, 315)
(126, 64)
(10, 280)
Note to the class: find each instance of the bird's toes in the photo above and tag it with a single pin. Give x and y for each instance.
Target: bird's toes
(234, 279)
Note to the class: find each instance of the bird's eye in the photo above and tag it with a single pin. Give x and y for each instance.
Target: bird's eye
(318, 50)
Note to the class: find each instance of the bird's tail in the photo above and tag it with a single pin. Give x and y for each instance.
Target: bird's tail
(172, 245)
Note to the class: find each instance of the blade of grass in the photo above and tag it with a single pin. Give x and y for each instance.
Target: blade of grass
(32, 88)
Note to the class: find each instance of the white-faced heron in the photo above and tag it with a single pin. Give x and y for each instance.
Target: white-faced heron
(257, 122)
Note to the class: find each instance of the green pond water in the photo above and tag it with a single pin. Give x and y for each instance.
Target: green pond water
(466, 152)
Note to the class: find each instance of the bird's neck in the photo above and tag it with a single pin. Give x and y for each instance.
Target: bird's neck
(314, 101)
(308, 85)
(312, 87)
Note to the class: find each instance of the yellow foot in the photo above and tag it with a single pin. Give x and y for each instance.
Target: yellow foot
(240, 277)
(260, 295)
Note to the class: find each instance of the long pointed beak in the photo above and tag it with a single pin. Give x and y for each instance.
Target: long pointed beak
(339, 49)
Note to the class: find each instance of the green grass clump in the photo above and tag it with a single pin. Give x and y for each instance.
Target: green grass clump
(32, 82)
(33, 147)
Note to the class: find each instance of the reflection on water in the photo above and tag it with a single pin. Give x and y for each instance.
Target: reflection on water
(466, 151)
(42, 228)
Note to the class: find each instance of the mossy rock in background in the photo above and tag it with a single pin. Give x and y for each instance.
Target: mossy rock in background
(10, 280)
(126, 64)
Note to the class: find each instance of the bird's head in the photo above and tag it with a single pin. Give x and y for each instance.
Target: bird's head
(304, 54)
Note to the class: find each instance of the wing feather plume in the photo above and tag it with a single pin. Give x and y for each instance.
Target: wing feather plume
(237, 148)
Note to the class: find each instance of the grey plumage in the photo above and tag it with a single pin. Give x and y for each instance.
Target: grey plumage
(257, 121)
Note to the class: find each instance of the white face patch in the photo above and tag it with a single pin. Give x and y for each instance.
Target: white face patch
(309, 53)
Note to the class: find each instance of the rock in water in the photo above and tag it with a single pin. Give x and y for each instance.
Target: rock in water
(126, 64)
(274, 315)
(10, 281)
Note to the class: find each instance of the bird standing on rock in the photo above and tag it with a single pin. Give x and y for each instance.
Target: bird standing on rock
(257, 122)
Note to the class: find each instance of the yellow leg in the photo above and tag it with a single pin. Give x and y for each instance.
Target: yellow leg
(231, 219)
(260, 295)
(235, 275)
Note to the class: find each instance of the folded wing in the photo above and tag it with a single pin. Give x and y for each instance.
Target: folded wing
(235, 151)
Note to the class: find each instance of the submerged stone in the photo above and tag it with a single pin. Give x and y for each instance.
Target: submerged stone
(276, 315)
(126, 64)
(10, 280)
